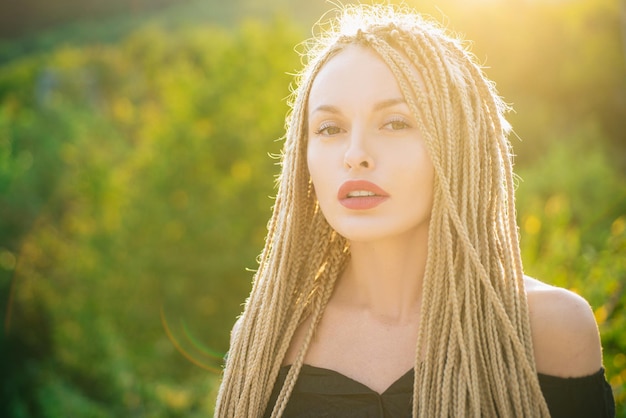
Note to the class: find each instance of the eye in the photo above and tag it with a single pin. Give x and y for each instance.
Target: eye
(396, 124)
(328, 129)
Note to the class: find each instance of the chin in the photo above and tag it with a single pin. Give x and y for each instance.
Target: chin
(369, 234)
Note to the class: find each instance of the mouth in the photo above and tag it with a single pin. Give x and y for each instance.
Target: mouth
(361, 195)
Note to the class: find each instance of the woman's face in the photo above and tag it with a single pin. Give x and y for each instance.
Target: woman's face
(366, 156)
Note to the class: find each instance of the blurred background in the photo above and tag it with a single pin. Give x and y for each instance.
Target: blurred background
(136, 181)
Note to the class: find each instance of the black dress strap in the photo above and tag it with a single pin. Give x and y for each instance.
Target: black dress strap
(322, 392)
(579, 397)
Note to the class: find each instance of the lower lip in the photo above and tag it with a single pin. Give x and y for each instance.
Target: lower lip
(362, 203)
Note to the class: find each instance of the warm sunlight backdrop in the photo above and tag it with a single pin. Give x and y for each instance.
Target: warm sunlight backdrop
(136, 182)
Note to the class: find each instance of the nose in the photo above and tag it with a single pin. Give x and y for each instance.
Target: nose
(357, 156)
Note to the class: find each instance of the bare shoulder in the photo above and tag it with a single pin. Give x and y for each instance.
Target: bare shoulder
(564, 331)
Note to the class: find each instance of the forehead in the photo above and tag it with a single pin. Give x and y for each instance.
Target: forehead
(355, 74)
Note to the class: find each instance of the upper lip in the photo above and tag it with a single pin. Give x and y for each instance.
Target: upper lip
(359, 185)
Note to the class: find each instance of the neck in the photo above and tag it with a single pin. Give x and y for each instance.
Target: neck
(384, 278)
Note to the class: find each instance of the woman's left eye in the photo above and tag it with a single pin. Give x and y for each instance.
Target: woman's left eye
(396, 125)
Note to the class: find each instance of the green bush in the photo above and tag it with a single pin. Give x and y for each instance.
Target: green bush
(140, 174)
(572, 214)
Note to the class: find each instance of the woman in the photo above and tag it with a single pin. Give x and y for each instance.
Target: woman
(391, 282)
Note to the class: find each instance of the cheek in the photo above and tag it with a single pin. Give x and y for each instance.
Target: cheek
(324, 177)
(316, 169)
(418, 179)
(318, 161)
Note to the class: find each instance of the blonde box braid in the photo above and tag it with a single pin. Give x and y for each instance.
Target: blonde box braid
(474, 353)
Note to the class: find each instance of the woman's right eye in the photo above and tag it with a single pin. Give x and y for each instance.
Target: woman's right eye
(328, 129)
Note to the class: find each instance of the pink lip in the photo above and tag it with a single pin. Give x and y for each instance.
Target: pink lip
(361, 202)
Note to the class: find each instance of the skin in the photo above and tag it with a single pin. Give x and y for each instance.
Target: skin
(369, 328)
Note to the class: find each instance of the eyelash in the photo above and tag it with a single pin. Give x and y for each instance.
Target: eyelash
(397, 120)
(324, 128)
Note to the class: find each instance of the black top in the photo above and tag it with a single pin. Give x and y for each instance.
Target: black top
(322, 392)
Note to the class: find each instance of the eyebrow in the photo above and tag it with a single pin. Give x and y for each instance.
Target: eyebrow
(377, 107)
(389, 103)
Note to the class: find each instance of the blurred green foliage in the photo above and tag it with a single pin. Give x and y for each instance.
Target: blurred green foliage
(135, 178)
